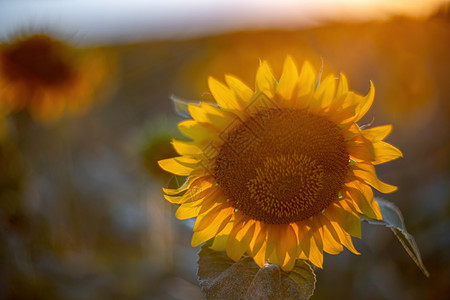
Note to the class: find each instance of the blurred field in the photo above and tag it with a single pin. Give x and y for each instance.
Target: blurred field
(81, 216)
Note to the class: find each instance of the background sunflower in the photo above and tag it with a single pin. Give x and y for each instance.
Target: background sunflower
(48, 77)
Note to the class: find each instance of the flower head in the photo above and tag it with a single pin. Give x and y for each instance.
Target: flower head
(282, 172)
(47, 76)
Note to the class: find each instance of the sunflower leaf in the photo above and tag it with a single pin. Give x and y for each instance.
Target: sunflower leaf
(222, 278)
(181, 106)
(392, 218)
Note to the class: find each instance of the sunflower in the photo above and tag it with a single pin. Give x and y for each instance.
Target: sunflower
(282, 172)
(47, 76)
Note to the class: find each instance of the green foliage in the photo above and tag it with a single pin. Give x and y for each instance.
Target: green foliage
(222, 278)
(181, 106)
(392, 218)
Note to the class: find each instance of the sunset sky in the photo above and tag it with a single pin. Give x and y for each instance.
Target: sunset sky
(100, 21)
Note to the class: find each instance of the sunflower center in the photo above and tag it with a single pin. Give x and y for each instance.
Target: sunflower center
(282, 166)
(38, 60)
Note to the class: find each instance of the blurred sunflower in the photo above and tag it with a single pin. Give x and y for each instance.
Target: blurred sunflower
(280, 173)
(47, 76)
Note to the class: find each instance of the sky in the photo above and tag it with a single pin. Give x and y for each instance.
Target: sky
(98, 21)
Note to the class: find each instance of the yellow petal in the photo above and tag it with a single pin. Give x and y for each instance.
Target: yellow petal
(223, 95)
(199, 190)
(265, 82)
(239, 238)
(289, 263)
(288, 80)
(272, 238)
(240, 89)
(361, 148)
(287, 248)
(366, 172)
(193, 209)
(258, 239)
(366, 103)
(177, 166)
(385, 152)
(344, 237)
(199, 132)
(222, 219)
(187, 212)
(350, 222)
(187, 183)
(324, 94)
(207, 113)
(306, 79)
(185, 148)
(302, 230)
(260, 258)
(205, 219)
(376, 134)
(316, 242)
(220, 240)
(331, 242)
(285, 244)
(343, 115)
(359, 103)
(362, 196)
(342, 86)
(291, 243)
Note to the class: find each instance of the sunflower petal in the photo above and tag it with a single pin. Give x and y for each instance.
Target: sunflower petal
(366, 172)
(187, 183)
(240, 236)
(366, 102)
(331, 242)
(302, 231)
(385, 152)
(361, 148)
(177, 166)
(378, 133)
(362, 196)
(349, 222)
(316, 251)
(222, 219)
(265, 82)
(344, 237)
(288, 80)
(210, 114)
(324, 94)
(260, 257)
(342, 88)
(197, 191)
(199, 132)
(286, 244)
(306, 79)
(289, 242)
(185, 148)
(258, 240)
(240, 89)
(223, 95)
(220, 241)
(272, 238)
(205, 219)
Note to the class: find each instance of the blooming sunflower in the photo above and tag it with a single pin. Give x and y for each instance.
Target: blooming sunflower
(282, 172)
(47, 76)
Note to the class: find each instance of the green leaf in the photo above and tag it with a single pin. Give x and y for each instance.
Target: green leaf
(181, 106)
(392, 218)
(222, 278)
